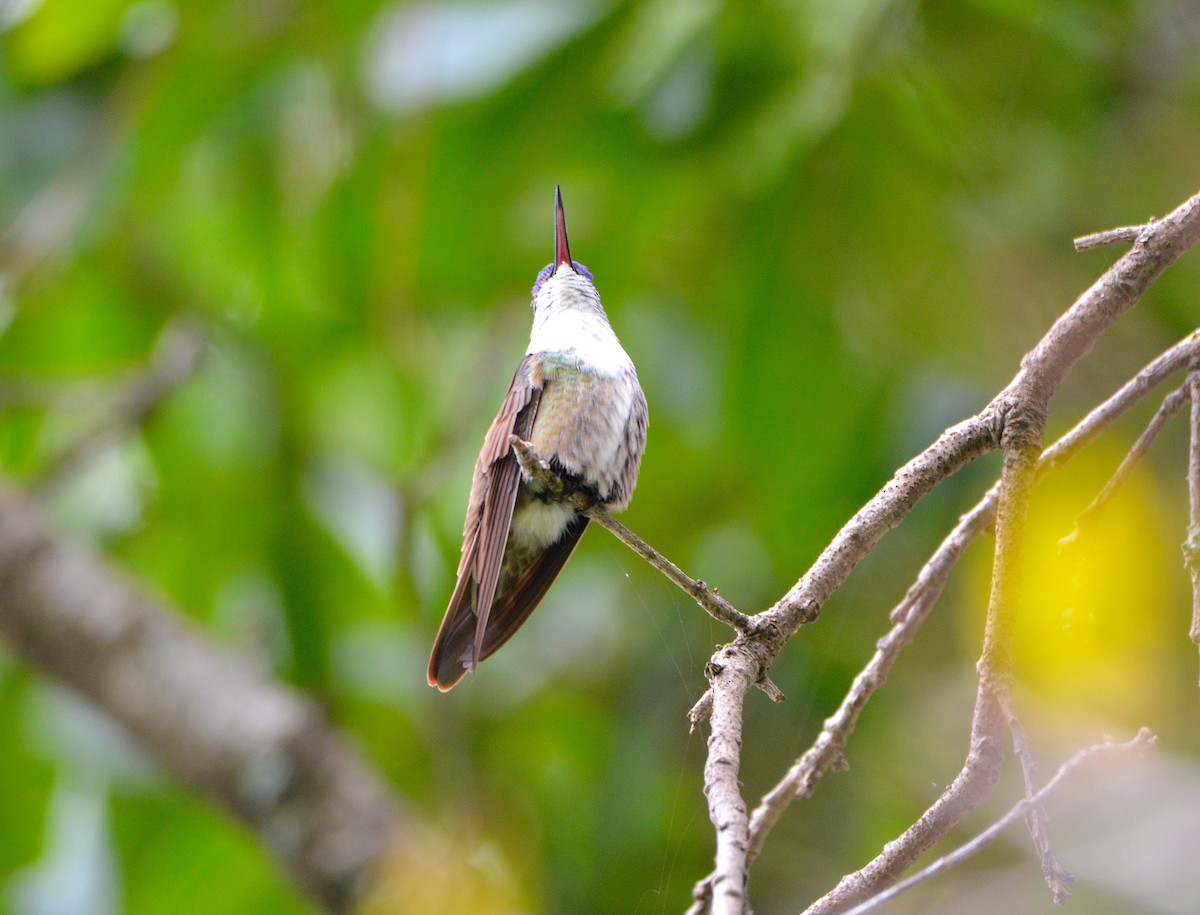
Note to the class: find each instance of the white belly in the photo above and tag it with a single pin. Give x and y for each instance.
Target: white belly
(537, 524)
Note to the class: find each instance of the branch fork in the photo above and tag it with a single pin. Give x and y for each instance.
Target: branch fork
(1013, 422)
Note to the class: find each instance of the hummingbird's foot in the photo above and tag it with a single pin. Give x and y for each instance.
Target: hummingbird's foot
(551, 482)
(535, 468)
(581, 495)
(575, 491)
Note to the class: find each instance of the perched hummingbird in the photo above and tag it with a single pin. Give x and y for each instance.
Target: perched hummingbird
(576, 398)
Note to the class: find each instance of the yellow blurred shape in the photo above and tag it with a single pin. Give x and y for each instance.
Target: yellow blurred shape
(1092, 620)
(428, 871)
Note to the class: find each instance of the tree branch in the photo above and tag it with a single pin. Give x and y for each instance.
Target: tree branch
(1014, 419)
(730, 679)
(1170, 406)
(967, 791)
(1191, 545)
(177, 355)
(1057, 878)
(827, 751)
(253, 747)
(1123, 235)
(1142, 740)
(716, 606)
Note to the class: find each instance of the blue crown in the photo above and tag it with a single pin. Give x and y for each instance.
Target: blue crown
(548, 271)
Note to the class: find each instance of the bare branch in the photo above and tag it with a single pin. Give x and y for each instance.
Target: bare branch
(716, 606)
(1170, 406)
(1191, 545)
(1124, 235)
(730, 677)
(1042, 370)
(1058, 878)
(176, 357)
(967, 791)
(826, 752)
(252, 746)
(1020, 411)
(708, 598)
(1143, 740)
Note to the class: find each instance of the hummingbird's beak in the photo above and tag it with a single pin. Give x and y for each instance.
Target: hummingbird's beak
(562, 250)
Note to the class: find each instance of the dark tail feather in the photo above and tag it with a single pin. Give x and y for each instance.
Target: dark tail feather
(455, 640)
(456, 633)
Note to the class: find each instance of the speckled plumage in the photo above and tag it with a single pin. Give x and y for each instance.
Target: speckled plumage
(576, 397)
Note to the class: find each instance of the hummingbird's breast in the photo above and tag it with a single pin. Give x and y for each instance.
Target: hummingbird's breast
(592, 424)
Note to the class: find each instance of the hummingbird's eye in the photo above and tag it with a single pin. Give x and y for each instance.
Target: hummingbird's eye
(541, 278)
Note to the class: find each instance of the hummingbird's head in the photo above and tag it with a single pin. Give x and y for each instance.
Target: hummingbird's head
(562, 265)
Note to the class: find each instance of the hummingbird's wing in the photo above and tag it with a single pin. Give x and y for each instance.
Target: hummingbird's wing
(512, 608)
(489, 514)
(520, 598)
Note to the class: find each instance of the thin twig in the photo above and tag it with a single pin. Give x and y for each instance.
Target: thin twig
(716, 606)
(1143, 740)
(176, 356)
(700, 711)
(1057, 878)
(1174, 359)
(1170, 406)
(708, 598)
(1191, 545)
(1124, 235)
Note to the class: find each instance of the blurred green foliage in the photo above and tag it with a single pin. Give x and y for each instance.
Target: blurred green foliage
(823, 230)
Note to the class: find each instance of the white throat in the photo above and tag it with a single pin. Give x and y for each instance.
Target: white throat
(568, 320)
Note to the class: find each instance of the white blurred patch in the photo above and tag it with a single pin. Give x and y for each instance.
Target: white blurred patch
(430, 53)
(148, 28)
(85, 741)
(106, 495)
(314, 143)
(360, 511)
(1126, 828)
(681, 102)
(1131, 827)
(77, 873)
(665, 64)
(14, 12)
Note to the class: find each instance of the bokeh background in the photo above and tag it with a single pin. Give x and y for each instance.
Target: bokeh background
(823, 230)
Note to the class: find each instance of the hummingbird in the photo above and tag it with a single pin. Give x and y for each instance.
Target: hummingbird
(576, 398)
